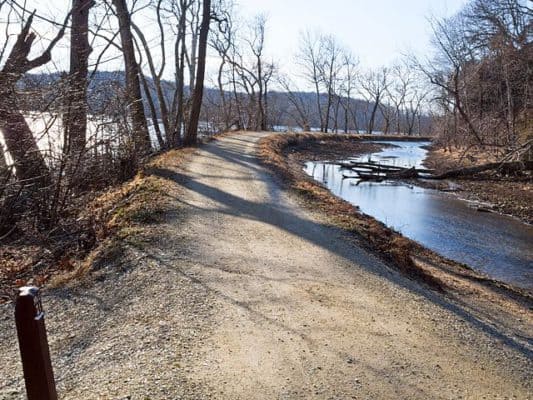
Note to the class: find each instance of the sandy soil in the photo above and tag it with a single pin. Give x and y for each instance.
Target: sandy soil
(239, 293)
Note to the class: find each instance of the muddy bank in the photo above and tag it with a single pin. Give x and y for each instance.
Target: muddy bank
(510, 195)
(332, 149)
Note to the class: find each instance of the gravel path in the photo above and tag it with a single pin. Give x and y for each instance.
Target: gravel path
(242, 294)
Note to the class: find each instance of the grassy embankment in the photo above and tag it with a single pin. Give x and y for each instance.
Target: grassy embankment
(106, 222)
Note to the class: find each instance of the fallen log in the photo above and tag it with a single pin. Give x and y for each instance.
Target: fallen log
(370, 177)
(379, 173)
(368, 165)
(372, 166)
(407, 173)
(506, 168)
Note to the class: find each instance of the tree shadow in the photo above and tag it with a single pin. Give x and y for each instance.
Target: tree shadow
(274, 213)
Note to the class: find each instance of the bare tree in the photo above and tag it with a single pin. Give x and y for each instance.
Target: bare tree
(348, 86)
(373, 85)
(157, 77)
(257, 45)
(179, 23)
(249, 74)
(447, 73)
(180, 56)
(133, 86)
(330, 67)
(310, 58)
(482, 73)
(192, 129)
(397, 92)
(222, 41)
(322, 59)
(75, 117)
(30, 166)
(413, 109)
(301, 111)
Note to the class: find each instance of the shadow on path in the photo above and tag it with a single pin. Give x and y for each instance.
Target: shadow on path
(274, 213)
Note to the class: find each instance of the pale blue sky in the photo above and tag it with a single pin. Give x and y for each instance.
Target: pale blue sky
(378, 32)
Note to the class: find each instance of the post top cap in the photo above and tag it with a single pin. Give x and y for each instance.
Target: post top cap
(28, 291)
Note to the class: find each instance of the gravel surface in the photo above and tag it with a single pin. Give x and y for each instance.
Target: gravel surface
(242, 294)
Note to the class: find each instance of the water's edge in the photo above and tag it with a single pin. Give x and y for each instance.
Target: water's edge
(497, 245)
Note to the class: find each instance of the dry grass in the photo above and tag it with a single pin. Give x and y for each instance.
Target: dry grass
(107, 221)
(443, 159)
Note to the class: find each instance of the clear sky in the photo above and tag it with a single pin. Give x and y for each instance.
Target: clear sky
(377, 31)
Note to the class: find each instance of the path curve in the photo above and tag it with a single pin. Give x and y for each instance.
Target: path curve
(303, 313)
(243, 294)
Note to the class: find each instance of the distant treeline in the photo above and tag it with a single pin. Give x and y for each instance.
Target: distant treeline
(42, 92)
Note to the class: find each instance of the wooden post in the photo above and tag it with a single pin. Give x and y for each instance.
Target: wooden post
(34, 352)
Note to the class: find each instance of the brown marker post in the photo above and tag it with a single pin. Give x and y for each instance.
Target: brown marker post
(34, 352)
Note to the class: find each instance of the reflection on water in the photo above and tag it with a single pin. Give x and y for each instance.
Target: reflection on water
(496, 245)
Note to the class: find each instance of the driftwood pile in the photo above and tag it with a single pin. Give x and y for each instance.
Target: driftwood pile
(373, 171)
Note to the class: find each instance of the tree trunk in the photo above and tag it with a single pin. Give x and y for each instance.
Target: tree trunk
(386, 118)
(345, 110)
(330, 98)
(328, 110)
(266, 119)
(398, 119)
(180, 94)
(236, 97)
(222, 94)
(76, 113)
(336, 120)
(133, 85)
(460, 109)
(30, 167)
(260, 110)
(180, 50)
(156, 77)
(194, 40)
(317, 95)
(153, 113)
(372, 119)
(353, 113)
(411, 120)
(192, 129)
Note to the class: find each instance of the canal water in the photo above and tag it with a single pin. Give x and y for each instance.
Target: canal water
(498, 246)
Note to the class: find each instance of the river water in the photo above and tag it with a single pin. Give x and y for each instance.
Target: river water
(498, 246)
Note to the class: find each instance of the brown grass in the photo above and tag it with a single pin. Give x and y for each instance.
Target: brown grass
(107, 221)
(444, 159)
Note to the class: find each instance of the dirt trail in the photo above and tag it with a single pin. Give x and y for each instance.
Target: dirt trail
(242, 294)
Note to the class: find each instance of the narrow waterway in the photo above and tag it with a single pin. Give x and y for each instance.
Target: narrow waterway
(499, 246)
